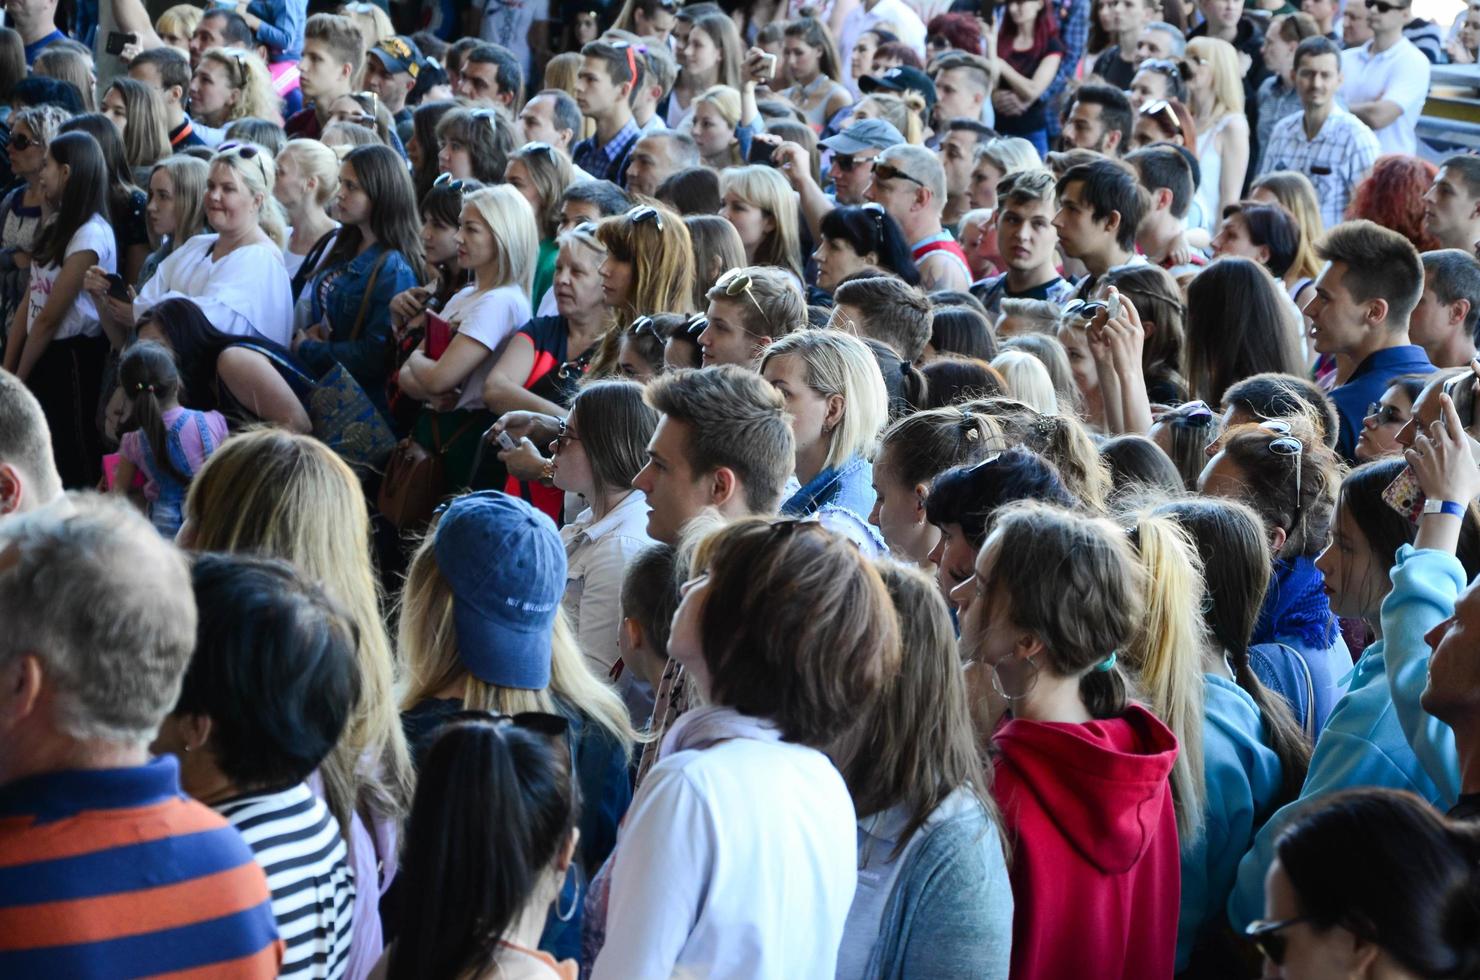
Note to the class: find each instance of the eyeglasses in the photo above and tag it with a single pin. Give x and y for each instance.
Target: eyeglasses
(877, 210)
(1161, 107)
(564, 436)
(847, 161)
(1266, 936)
(1079, 313)
(643, 213)
(736, 282)
(544, 149)
(539, 722)
(575, 368)
(1384, 414)
(1196, 414)
(1286, 445)
(1162, 67)
(21, 142)
(1385, 8)
(885, 171)
(448, 181)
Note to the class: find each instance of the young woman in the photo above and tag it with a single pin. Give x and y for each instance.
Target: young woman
(73, 65)
(1392, 195)
(1054, 597)
(22, 210)
(307, 181)
(1158, 303)
(959, 332)
(1028, 54)
(1267, 234)
(649, 264)
(541, 173)
(138, 112)
(814, 67)
(126, 201)
(716, 127)
(927, 826)
(1184, 433)
(1294, 193)
(176, 208)
(1157, 79)
(376, 255)
(643, 346)
(1386, 417)
(176, 26)
(474, 143)
(1237, 325)
(1027, 379)
(857, 238)
(498, 242)
(56, 344)
(366, 109)
(231, 84)
(648, 18)
(1165, 121)
(780, 685)
(838, 405)
(423, 148)
(761, 205)
(717, 249)
(710, 55)
(1216, 91)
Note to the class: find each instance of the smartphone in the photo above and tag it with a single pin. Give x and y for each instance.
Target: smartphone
(760, 152)
(1404, 496)
(768, 65)
(118, 287)
(118, 41)
(1112, 304)
(439, 336)
(507, 441)
(1461, 391)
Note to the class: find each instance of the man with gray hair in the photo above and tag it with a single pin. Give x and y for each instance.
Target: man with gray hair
(910, 183)
(1160, 40)
(553, 117)
(28, 471)
(658, 156)
(100, 623)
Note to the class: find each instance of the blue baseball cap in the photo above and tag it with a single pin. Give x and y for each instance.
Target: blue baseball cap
(506, 565)
(865, 134)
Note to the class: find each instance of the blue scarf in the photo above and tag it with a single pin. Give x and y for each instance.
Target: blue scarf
(1296, 606)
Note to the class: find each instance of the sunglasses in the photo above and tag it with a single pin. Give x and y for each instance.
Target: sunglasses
(448, 181)
(885, 171)
(1385, 8)
(736, 282)
(1196, 414)
(847, 161)
(1079, 313)
(245, 151)
(489, 115)
(643, 213)
(631, 51)
(368, 101)
(1185, 67)
(1288, 446)
(877, 210)
(645, 325)
(1384, 414)
(587, 228)
(20, 142)
(564, 436)
(539, 722)
(697, 324)
(1162, 67)
(1268, 939)
(573, 369)
(1161, 107)
(544, 149)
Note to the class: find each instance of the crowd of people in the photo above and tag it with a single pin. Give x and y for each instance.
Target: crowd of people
(864, 489)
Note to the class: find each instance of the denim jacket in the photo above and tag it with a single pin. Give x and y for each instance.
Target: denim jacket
(842, 497)
(282, 26)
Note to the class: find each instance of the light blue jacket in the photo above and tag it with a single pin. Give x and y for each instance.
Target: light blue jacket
(1241, 777)
(842, 497)
(282, 26)
(1363, 744)
(1426, 585)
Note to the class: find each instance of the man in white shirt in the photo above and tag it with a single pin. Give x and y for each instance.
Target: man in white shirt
(902, 18)
(1387, 79)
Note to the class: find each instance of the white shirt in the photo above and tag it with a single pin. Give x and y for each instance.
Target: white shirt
(81, 320)
(907, 23)
(597, 554)
(1401, 75)
(246, 294)
(736, 861)
(490, 318)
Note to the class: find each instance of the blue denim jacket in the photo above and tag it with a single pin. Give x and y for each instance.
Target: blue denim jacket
(842, 497)
(282, 26)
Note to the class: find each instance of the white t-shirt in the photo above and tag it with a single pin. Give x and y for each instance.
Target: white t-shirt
(1401, 75)
(82, 319)
(490, 318)
(246, 294)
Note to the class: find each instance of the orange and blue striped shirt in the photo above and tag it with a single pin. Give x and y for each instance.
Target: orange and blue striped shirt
(116, 873)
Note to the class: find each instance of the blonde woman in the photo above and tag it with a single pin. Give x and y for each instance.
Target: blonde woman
(231, 84)
(177, 208)
(761, 205)
(541, 173)
(138, 112)
(307, 179)
(176, 26)
(904, 113)
(1297, 195)
(1027, 380)
(715, 126)
(68, 64)
(279, 495)
(374, 23)
(1216, 92)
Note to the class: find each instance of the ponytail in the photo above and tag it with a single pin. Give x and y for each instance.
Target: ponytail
(1284, 733)
(1105, 693)
(149, 378)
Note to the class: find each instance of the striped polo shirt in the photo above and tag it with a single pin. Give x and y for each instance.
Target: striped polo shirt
(116, 873)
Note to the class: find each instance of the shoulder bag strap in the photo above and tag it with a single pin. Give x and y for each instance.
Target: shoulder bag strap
(311, 261)
(354, 333)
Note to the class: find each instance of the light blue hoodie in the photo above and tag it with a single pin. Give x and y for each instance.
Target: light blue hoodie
(1241, 777)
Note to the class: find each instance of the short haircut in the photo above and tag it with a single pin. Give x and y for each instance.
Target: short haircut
(608, 197)
(1380, 264)
(1162, 167)
(104, 603)
(618, 68)
(892, 311)
(1179, 40)
(510, 75)
(1023, 186)
(1110, 186)
(235, 32)
(563, 110)
(977, 69)
(982, 130)
(921, 164)
(1313, 47)
(25, 438)
(341, 36)
(659, 68)
(650, 594)
(736, 420)
(1454, 274)
(683, 152)
(1115, 108)
(775, 305)
(171, 64)
(1466, 168)
(274, 669)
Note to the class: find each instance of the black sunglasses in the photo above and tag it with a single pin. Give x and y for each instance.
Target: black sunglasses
(447, 180)
(1384, 414)
(646, 325)
(1268, 937)
(544, 149)
(696, 325)
(20, 142)
(1385, 8)
(539, 722)
(877, 210)
(643, 213)
(884, 171)
(847, 161)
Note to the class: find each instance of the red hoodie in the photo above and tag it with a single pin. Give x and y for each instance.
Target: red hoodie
(1096, 875)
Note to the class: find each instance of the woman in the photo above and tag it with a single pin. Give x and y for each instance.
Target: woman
(176, 209)
(858, 238)
(306, 182)
(861, 59)
(959, 332)
(1164, 121)
(126, 201)
(812, 63)
(231, 84)
(1184, 433)
(717, 249)
(649, 264)
(1156, 80)
(1294, 193)
(423, 147)
(1392, 195)
(1028, 54)
(474, 143)
(366, 109)
(927, 826)
(716, 127)
(1277, 97)
(1387, 417)
(835, 396)
(376, 255)
(1054, 597)
(278, 495)
(1238, 324)
(1158, 301)
(70, 64)
(710, 55)
(647, 18)
(138, 112)
(642, 348)
(1267, 234)
(22, 210)
(541, 173)
(1216, 91)
(780, 684)
(176, 26)
(761, 205)
(1026, 379)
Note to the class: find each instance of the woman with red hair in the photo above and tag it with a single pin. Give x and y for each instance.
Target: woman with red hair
(1029, 51)
(1392, 196)
(953, 32)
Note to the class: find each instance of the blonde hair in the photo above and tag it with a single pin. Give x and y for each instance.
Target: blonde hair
(550, 171)
(517, 238)
(904, 113)
(67, 64)
(426, 641)
(258, 173)
(1027, 380)
(247, 73)
(180, 20)
(1297, 195)
(275, 493)
(840, 364)
(146, 138)
(725, 101)
(1228, 86)
(318, 161)
(1009, 154)
(374, 24)
(765, 188)
(188, 174)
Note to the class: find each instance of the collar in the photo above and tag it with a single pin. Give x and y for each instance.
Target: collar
(615, 146)
(1367, 55)
(182, 132)
(1402, 359)
(56, 796)
(632, 509)
(823, 487)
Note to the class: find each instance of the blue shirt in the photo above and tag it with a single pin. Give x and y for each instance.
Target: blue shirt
(36, 47)
(1366, 385)
(606, 162)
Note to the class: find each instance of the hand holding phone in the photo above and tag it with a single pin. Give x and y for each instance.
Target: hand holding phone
(118, 287)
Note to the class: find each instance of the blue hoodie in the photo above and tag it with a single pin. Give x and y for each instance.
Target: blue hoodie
(1241, 777)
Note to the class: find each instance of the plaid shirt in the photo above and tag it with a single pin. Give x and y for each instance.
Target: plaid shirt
(1335, 161)
(606, 162)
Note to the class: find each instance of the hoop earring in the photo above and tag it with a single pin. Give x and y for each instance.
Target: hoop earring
(575, 900)
(1002, 690)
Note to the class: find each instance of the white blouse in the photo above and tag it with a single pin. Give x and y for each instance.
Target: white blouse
(246, 294)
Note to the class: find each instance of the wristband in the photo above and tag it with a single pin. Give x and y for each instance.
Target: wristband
(1444, 507)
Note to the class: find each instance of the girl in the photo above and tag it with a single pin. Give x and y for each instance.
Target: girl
(474, 143)
(70, 64)
(1237, 325)
(1392, 194)
(1157, 300)
(376, 255)
(138, 112)
(959, 332)
(812, 62)
(1387, 417)
(176, 209)
(856, 238)
(231, 84)
(31, 129)
(1157, 79)
(1027, 380)
(126, 202)
(716, 127)
(1055, 596)
(1164, 121)
(366, 109)
(1215, 87)
(1028, 56)
(1294, 193)
(176, 26)
(1062, 440)
(541, 173)
(56, 345)
(711, 55)
(649, 264)
(640, 354)
(307, 180)
(648, 18)
(424, 147)
(165, 442)
(717, 250)
(497, 241)
(1184, 433)
(835, 396)
(761, 204)
(1267, 234)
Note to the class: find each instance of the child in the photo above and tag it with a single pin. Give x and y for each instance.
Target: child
(168, 443)
(649, 599)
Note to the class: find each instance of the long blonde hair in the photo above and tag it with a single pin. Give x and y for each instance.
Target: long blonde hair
(1228, 87)
(765, 188)
(1297, 195)
(188, 174)
(275, 493)
(258, 172)
(247, 73)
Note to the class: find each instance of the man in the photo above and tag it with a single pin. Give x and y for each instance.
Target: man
(491, 77)
(1364, 296)
(911, 185)
(1386, 80)
(1451, 205)
(1116, 65)
(1100, 119)
(1443, 323)
(28, 471)
(1160, 40)
(1100, 209)
(1026, 240)
(902, 79)
(1331, 146)
(660, 71)
(333, 50)
(658, 156)
(36, 22)
(958, 156)
(1452, 669)
(1323, 12)
(854, 151)
(897, 16)
(604, 89)
(119, 866)
(167, 71)
(391, 72)
(963, 90)
(748, 309)
(591, 200)
(886, 309)
(723, 442)
(1166, 176)
(553, 117)
(220, 29)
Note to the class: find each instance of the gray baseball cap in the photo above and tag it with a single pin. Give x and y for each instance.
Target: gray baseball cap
(866, 134)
